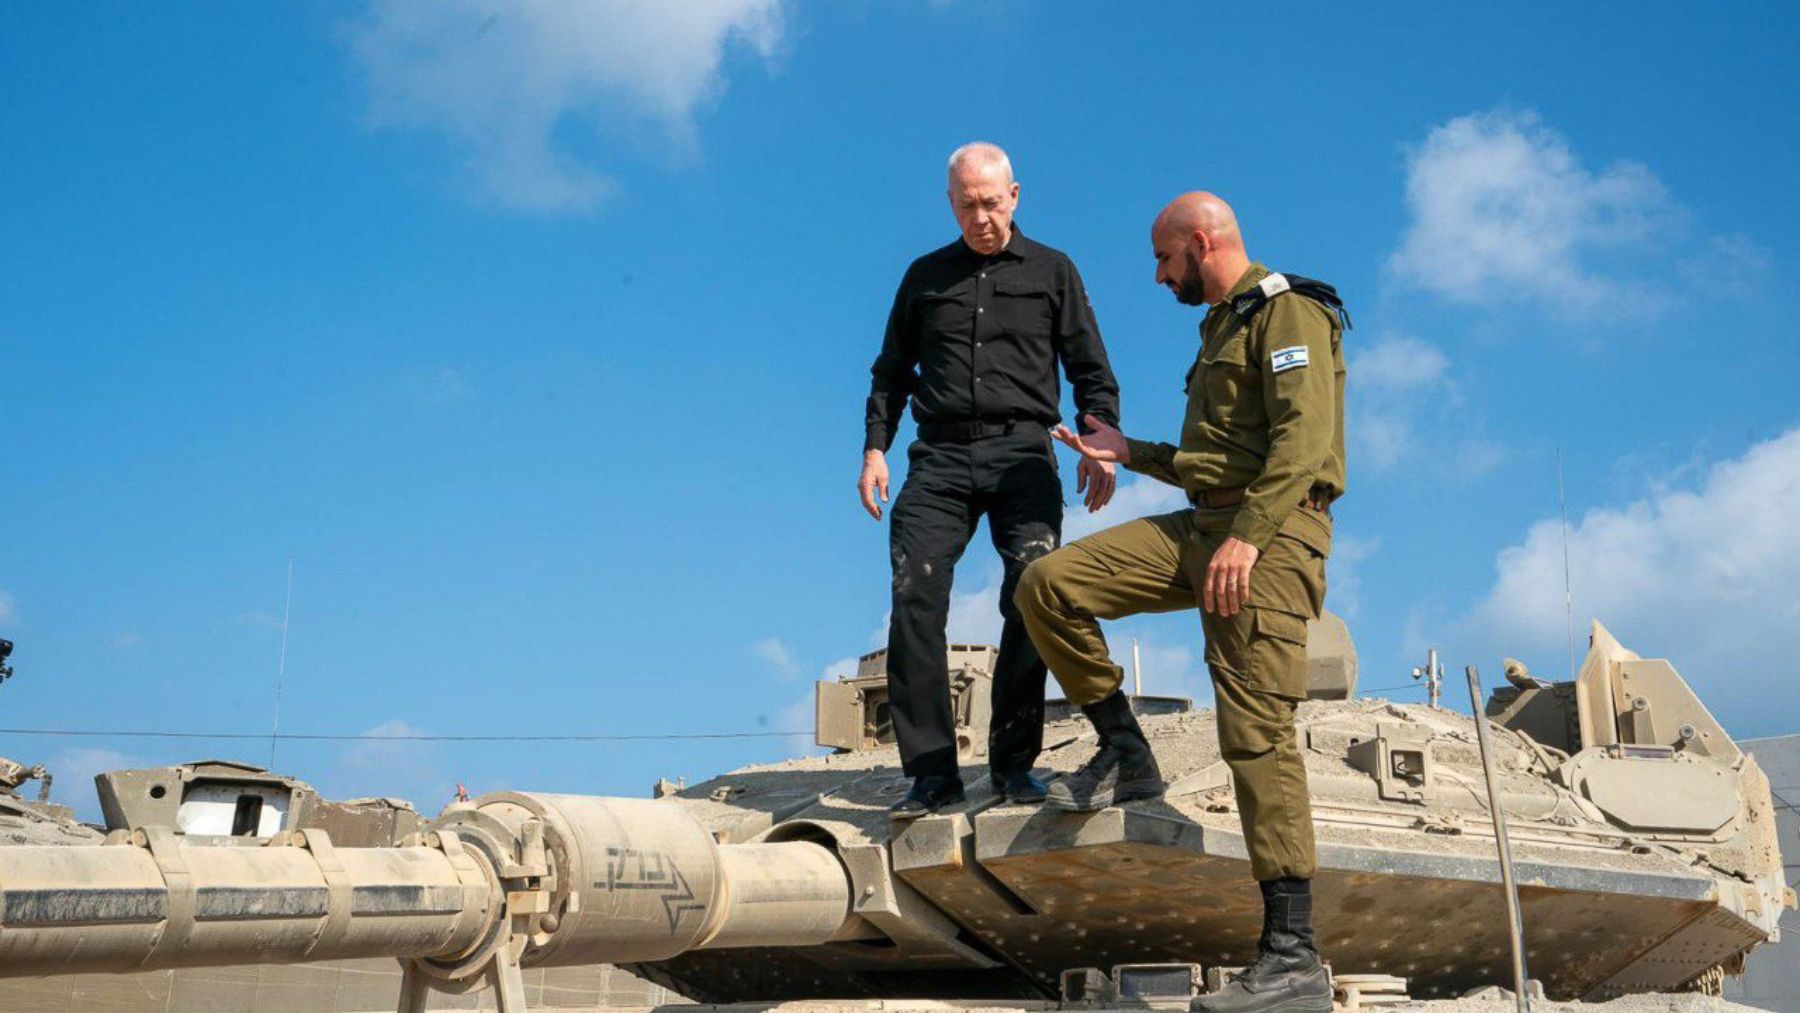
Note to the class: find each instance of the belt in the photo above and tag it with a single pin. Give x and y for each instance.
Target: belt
(1318, 498)
(1215, 499)
(964, 432)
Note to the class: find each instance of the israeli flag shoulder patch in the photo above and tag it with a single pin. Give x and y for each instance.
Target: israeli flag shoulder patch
(1283, 359)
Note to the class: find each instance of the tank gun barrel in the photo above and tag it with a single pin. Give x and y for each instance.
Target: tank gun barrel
(506, 880)
(153, 900)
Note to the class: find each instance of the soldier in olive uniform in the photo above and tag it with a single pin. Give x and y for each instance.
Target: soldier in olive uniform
(1261, 457)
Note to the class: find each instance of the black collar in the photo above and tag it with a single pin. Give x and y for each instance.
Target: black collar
(1016, 248)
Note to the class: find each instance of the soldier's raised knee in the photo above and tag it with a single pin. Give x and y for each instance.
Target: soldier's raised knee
(1033, 592)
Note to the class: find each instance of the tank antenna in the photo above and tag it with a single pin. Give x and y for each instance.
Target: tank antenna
(1562, 508)
(1137, 670)
(287, 609)
(1521, 976)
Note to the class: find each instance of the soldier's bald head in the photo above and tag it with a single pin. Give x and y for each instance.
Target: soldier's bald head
(1201, 212)
(1199, 251)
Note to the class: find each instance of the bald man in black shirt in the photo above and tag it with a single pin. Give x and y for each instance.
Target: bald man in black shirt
(978, 334)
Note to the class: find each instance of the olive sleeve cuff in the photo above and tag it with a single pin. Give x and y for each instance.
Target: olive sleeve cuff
(1156, 460)
(1253, 526)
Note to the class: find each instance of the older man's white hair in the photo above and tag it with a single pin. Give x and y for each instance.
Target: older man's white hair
(981, 153)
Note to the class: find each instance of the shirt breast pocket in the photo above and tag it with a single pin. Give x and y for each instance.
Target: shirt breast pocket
(942, 312)
(1226, 372)
(1021, 308)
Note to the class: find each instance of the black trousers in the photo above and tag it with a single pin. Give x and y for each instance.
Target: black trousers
(949, 487)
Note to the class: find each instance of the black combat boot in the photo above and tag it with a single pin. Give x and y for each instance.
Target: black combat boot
(1123, 770)
(929, 793)
(1287, 976)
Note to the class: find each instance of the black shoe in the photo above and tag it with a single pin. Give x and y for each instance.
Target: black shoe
(1288, 976)
(929, 794)
(1019, 787)
(1123, 770)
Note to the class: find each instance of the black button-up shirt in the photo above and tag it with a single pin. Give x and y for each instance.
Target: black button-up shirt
(979, 339)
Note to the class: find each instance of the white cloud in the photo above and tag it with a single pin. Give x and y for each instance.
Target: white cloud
(9, 610)
(1397, 363)
(1402, 407)
(1390, 384)
(125, 640)
(386, 765)
(1382, 438)
(776, 655)
(1704, 575)
(1504, 211)
(505, 80)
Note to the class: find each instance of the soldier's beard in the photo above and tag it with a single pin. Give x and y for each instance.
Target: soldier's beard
(1191, 290)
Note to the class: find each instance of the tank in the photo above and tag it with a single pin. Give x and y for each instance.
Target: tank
(1643, 840)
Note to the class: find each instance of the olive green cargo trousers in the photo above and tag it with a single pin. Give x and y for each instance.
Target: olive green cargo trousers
(1257, 658)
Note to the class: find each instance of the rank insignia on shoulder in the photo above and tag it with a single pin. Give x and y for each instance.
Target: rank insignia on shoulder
(1276, 283)
(1283, 359)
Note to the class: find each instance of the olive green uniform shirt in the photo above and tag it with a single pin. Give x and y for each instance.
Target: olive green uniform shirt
(1254, 419)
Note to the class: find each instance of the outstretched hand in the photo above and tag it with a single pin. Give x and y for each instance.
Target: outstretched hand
(1105, 444)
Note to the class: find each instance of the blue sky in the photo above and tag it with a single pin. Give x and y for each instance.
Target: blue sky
(536, 336)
